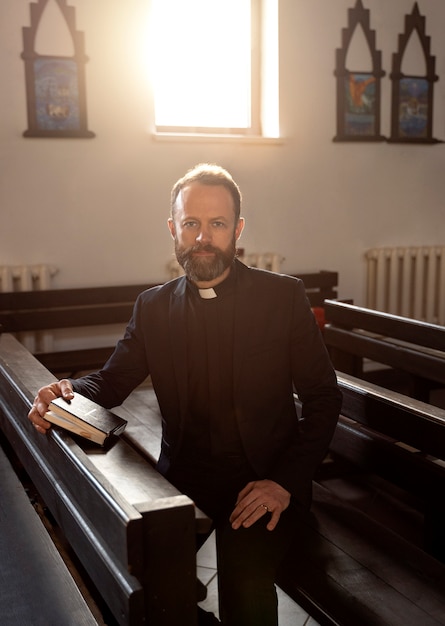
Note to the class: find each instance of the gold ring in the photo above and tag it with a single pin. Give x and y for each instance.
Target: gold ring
(265, 507)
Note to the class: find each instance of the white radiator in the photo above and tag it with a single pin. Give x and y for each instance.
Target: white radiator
(26, 277)
(266, 261)
(29, 278)
(407, 281)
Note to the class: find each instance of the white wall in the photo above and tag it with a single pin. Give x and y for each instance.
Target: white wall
(97, 208)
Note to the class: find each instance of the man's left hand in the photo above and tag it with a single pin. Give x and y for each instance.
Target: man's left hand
(255, 500)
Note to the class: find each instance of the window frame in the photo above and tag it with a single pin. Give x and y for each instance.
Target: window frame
(255, 131)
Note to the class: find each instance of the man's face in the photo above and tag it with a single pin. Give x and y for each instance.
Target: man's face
(205, 232)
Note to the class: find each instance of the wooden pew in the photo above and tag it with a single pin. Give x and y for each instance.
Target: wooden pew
(99, 307)
(348, 567)
(35, 584)
(133, 532)
(410, 347)
(400, 439)
(319, 286)
(55, 309)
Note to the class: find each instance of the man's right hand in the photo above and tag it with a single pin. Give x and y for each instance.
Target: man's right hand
(44, 396)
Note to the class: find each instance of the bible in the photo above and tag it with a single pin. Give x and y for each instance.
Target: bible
(84, 417)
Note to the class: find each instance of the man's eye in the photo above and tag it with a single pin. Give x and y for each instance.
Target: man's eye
(218, 224)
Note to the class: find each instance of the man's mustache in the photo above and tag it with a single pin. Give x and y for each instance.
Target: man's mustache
(202, 248)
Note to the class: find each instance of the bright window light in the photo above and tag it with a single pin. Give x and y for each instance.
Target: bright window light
(202, 64)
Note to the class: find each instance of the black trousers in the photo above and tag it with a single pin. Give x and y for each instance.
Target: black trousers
(247, 558)
(247, 561)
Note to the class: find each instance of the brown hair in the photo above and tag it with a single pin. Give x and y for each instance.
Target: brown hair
(208, 174)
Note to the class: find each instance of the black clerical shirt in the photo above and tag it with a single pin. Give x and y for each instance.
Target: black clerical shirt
(211, 466)
(211, 431)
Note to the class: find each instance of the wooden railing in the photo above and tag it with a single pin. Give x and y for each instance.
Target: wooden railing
(129, 527)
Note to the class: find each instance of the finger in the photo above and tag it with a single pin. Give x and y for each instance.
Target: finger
(257, 514)
(248, 515)
(244, 507)
(271, 525)
(44, 396)
(40, 424)
(245, 491)
(249, 499)
(42, 429)
(47, 394)
(66, 389)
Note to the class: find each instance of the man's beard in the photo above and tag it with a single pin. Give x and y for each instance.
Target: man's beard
(204, 269)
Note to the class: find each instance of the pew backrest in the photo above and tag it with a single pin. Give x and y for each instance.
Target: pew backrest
(353, 333)
(400, 439)
(67, 308)
(394, 415)
(104, 307)
(90, 306)
(350, 565)
(128, 526)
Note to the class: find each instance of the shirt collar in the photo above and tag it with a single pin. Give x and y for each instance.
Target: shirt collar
(220, 290)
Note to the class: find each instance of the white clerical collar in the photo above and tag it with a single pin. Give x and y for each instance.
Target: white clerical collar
(207, 294)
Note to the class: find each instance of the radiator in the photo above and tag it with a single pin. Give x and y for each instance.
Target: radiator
(407, 281)
(266, 261)
(29, 278)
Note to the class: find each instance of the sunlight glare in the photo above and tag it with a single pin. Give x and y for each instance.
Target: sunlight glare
(201, 60)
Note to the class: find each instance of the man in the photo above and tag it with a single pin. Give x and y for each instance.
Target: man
(226, 347)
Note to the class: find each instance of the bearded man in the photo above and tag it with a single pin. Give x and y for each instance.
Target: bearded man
(226, 347)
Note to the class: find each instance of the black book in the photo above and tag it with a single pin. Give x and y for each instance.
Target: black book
(85, 418)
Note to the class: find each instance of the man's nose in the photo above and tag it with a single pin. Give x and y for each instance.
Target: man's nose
(204, 235)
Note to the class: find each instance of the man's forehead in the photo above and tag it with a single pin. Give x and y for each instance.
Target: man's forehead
(199, 187)
(210, 194)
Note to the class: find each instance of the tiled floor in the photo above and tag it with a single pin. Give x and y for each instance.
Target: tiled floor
(290, 614)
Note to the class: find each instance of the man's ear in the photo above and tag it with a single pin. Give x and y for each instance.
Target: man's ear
(171, 226)
(239, 228)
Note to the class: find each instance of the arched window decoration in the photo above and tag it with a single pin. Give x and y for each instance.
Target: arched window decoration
(358, 90)
(55, 84)
(412, 95)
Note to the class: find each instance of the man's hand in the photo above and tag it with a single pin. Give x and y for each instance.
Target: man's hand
(44, 396)
(255, 500)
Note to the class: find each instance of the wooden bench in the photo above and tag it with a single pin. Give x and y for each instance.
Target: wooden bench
(348, 567)
(99, 307)
(352, 564)
(355, 561)
(400, 439)
(319, 286)
(129, 527)
(414, 350)
(35, 585)
(56, 309)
